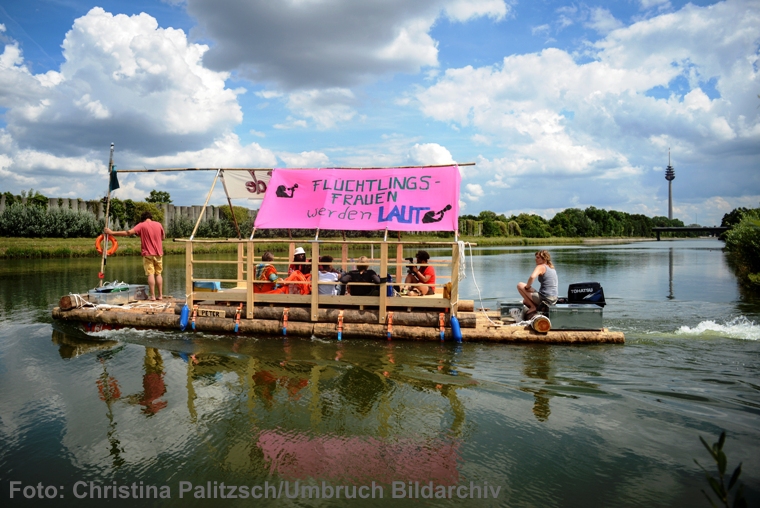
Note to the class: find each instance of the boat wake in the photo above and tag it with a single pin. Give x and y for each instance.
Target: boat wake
(737, 328)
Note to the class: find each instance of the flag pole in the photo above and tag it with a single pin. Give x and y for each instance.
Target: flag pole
(101, 274)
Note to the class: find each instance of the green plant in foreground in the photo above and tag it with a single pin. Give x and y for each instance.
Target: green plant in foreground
(718, 485)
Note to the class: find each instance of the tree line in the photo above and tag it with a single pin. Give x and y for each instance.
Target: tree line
(571, 222)
(19, 220)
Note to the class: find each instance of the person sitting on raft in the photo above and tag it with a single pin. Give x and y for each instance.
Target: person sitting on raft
(327, 274)
(547, 276)
(424, 274)
(361, 274)
(267, 272)
(299, 258)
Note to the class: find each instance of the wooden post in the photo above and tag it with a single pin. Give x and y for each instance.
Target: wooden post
(108, 208)
(314, 281)
(189, 273)
(384, 285)
(251, 273)
(454, 298)
(399, 260)
(240, 258)
(344, 256)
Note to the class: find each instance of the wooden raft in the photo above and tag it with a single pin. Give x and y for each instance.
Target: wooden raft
(405, 325)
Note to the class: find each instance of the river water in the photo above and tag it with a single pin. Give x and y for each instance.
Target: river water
(524, 425)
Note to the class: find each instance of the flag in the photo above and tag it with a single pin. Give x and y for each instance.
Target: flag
(114, 183)
(251, 184)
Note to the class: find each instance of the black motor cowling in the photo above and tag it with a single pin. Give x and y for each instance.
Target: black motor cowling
(586, 292)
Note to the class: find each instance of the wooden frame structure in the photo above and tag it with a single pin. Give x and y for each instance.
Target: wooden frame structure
(392, 262)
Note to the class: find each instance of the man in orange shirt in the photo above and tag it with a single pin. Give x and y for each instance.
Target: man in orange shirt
(151, 235)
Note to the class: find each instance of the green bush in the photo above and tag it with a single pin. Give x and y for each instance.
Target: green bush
(179, 227)
(38, 222)
(216, 228)
(743, 244)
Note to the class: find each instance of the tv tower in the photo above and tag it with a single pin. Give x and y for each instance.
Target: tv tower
(670, 175)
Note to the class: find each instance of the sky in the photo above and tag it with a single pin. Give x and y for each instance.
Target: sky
(560, 104)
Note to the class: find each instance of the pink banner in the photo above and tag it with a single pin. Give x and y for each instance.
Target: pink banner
(400, 199)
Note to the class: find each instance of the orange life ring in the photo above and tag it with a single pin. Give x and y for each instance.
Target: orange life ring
(99, 244)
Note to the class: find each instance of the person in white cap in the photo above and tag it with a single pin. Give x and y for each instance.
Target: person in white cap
(299, 257)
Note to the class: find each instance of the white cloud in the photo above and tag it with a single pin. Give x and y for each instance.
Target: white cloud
(541, 30)
(325, 107)
(464, 10)
(429, 154)
(223, 152)
(123, 78)
(306, 45)
(659, 4)
(473, 191)
(305, 159)
(49, 174)
(559, 119)
(126, 80)
(291, 123)
(603, 21)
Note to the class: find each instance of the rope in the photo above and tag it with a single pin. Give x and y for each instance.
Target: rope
(80, 302)
(527, 322)
(472, 269)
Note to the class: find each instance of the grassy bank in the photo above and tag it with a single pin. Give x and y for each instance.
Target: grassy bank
(16, 248)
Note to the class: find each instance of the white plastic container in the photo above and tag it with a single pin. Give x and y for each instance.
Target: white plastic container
(113, 298)
(138, 292)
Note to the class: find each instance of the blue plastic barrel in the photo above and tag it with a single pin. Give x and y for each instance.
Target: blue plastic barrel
(184, 317)
(455, 330)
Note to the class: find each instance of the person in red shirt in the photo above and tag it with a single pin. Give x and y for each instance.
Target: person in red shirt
(151, 235)
(424, 274)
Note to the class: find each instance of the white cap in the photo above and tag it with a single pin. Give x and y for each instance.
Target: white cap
(299, 250)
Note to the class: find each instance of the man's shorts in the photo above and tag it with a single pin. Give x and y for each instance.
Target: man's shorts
(153, 265)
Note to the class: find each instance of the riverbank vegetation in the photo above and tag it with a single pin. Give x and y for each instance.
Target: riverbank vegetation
(743, 244)
(28, 228)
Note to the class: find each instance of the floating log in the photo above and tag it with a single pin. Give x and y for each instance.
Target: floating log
(466, 306)
(369, 316)
(165, 318)
(541, 324)
(67, 302)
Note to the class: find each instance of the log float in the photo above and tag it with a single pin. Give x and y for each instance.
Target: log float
(268, 321)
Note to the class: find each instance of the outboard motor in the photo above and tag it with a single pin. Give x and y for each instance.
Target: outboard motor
(586, 292)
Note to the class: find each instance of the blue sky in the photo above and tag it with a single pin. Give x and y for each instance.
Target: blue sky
(560, 104)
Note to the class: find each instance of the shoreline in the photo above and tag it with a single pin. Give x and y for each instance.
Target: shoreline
(46, 248)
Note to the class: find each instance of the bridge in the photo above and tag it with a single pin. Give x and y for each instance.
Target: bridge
(714, 231)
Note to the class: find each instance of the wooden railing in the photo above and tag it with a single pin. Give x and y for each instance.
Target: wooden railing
(391, 261)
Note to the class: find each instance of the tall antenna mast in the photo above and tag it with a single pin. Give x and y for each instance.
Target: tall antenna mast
(670, 175)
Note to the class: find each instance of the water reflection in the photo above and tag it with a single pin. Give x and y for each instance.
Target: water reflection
(153, 383)
(325, 410)
(670, 274)
(70, 347)
(110, 392)
(538, 365)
